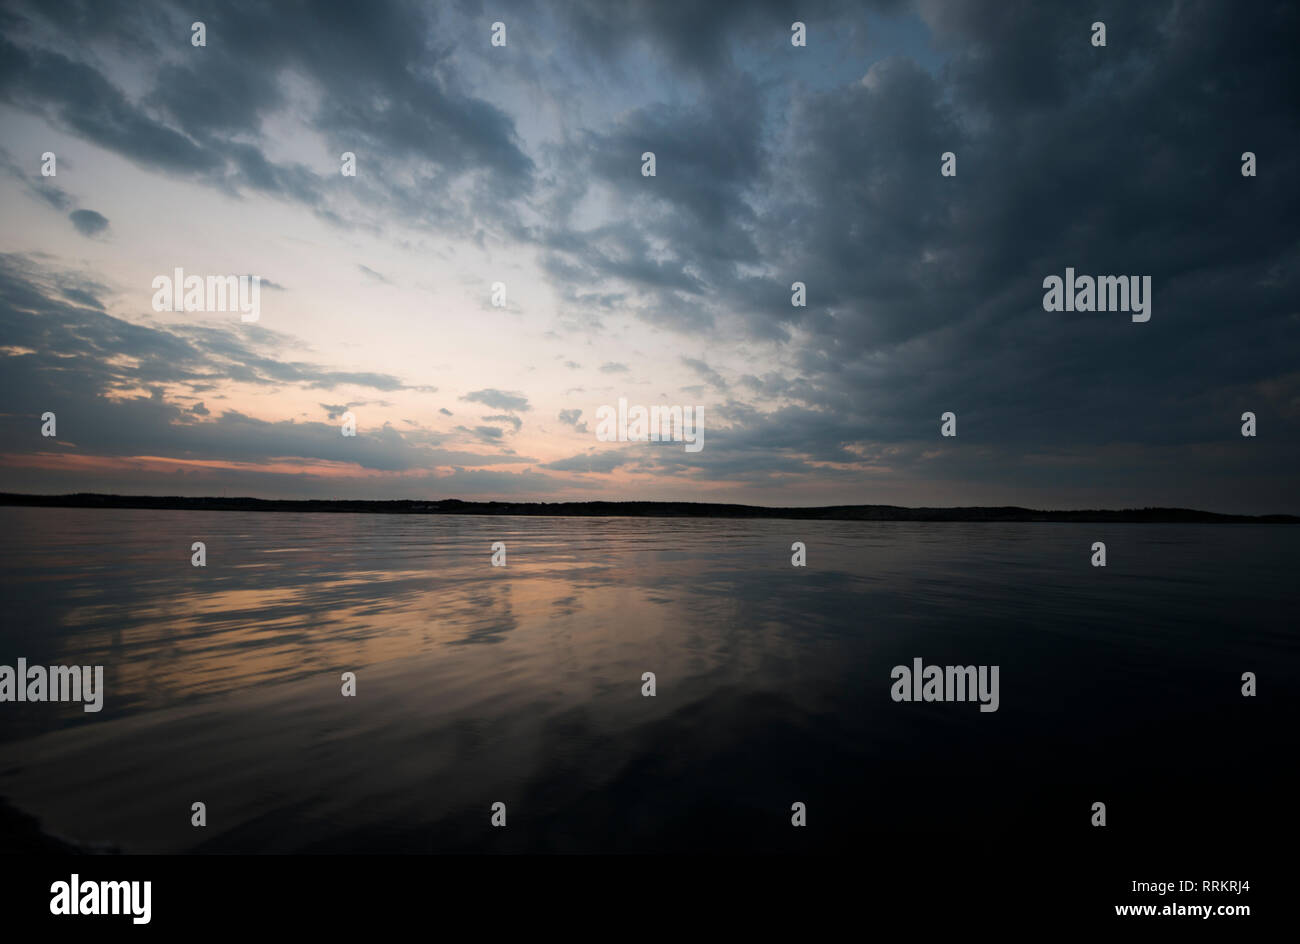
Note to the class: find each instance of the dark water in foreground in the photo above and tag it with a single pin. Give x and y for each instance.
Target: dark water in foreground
(523, 684)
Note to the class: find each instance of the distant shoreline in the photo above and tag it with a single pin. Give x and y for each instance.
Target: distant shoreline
(640, 509)
(21, 834)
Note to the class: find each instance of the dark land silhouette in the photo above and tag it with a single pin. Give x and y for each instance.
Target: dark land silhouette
(640, 509)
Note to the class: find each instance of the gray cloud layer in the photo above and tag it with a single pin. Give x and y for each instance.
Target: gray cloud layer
(924, 292)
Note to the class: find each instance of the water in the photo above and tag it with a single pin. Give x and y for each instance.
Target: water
(522, 684)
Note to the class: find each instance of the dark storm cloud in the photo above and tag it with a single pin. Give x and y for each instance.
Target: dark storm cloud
(704, 157)
(687, 229)
(706, 372)
(78, 97)
(699, 36)
(934, 284)
(388, 94)
(925, 292)
(88, 222)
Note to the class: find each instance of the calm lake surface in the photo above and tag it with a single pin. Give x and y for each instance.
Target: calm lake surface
(522, 684)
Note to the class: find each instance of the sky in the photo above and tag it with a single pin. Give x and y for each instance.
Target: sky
(521, 164)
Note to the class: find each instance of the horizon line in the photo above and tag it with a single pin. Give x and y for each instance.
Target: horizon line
(635, 508)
